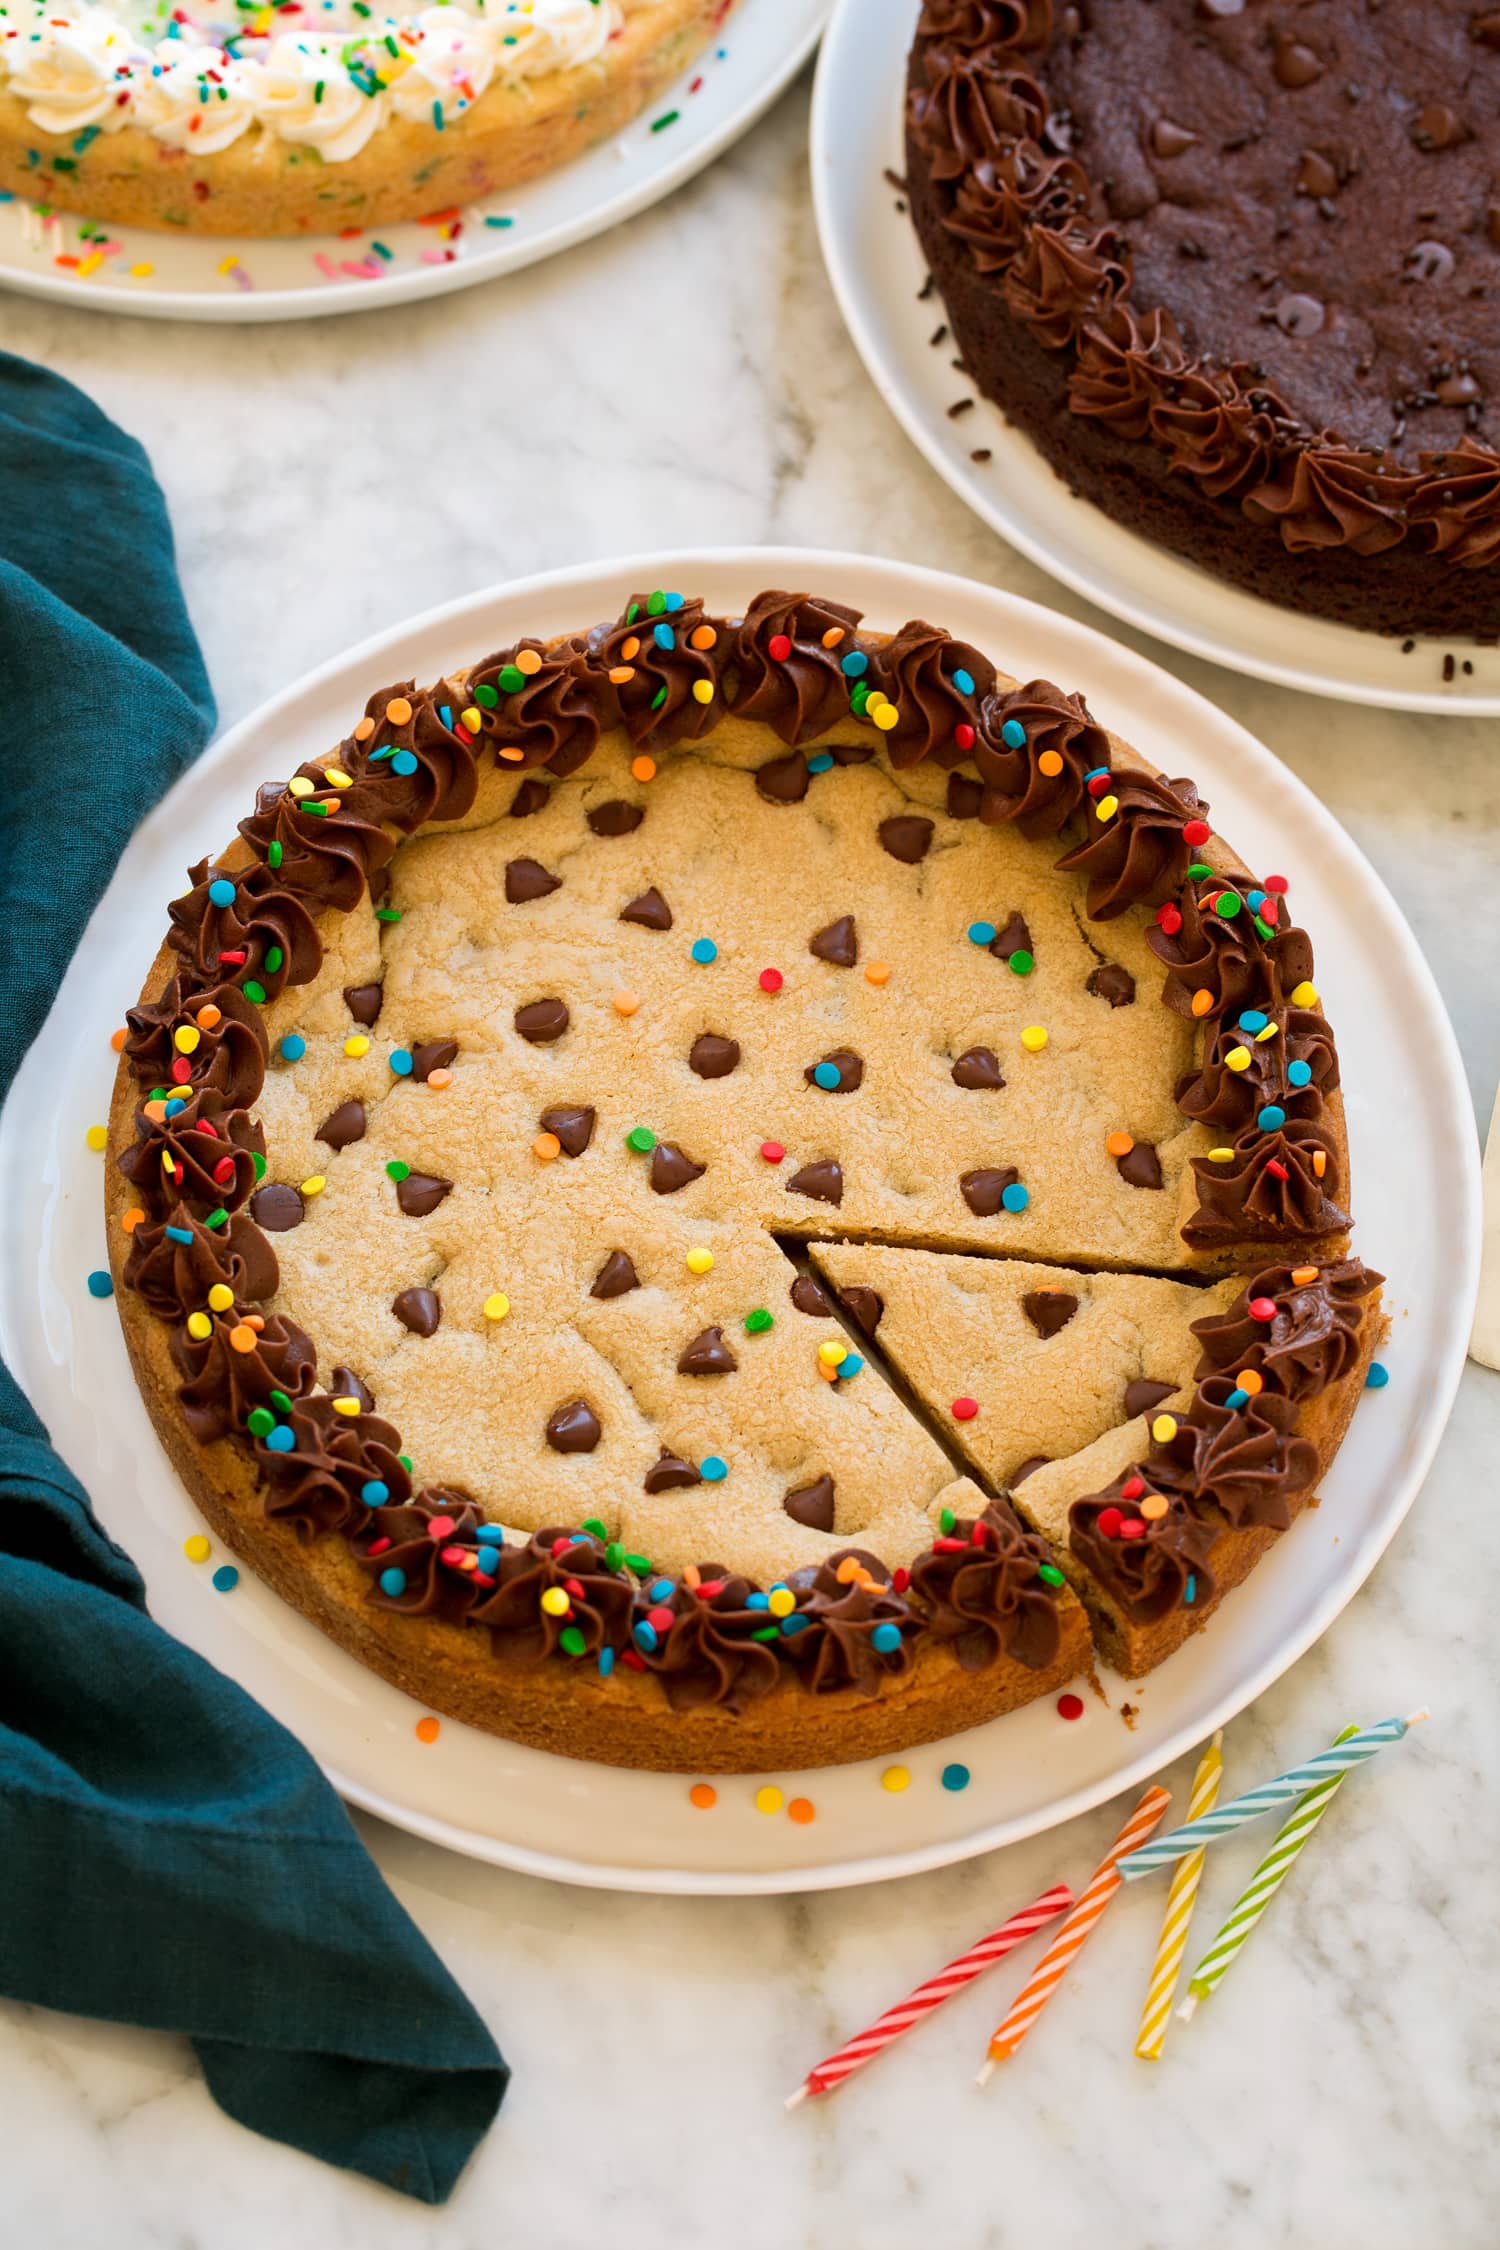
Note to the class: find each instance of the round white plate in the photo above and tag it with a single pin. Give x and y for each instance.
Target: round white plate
(877, 269)
(160, 276)
(1416, 1190)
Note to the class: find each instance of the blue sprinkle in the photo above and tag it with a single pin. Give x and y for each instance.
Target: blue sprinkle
(1097, 773)
(293, 1047)
(445, 713)
(820, 761)
(885, 1638)
(955, 1776)
(1013, 735)
(1253, 1020)
(794, 1622)
(964, 681)
(606, 1662)
(757, 1600)
(663, 636)
(179, 1234)
(672, 602)
(283, 1439)
(1255, 900)
(849, 1366)
(1298, 1073)
(393, 1582)
(704, 950)
(100, 1284)
(826, 1075)
(225, 1578)
(855, 663)
(1015, 1197)
(981, 933)
(386, 750)
(1376, 1376)
(404, 762)
(221, 892)
(401, 1062)
(1190, 1592)
(661, 1591)
(1237, 1398)
(490, 1534)
(175, 1105)
(376, 1493)
(643, 1633)
(1271, 1118)
(713, 1470)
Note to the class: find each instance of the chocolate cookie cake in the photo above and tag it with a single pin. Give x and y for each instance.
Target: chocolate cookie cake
(738, 1192)
(1233, 266)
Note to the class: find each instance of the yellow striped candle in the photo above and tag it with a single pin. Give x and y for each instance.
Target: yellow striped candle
(1262, 1887)
(1172, 1944)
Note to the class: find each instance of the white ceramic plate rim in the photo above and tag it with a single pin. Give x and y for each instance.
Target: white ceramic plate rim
(889, 589)
(855, 120)
(772, 56)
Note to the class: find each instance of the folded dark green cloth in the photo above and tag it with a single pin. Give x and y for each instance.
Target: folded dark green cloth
(144, 1799)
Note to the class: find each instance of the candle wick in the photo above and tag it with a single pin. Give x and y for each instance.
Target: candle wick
(1415, 1718)
(986, 2074)
(1185, 2012)
(793, 2099)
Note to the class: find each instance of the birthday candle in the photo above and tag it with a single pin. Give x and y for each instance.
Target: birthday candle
(1281, 1791)
(1172, 1943)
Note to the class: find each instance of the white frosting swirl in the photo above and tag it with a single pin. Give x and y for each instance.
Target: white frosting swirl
(69, 75)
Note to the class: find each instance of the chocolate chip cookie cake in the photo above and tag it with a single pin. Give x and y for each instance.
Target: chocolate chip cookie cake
(725, 1192)
(1233, 266)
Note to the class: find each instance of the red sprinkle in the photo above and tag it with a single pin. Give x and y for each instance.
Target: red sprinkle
(560, 1547)
(378, 1546)
(441, 1527)
(963, 735)
(224, 1170)
(708, 1587)
(1132, 1488)
(1262, 1308)
(1196, 831)
(1277, 883)
(778, 648)
(1098, 784)
(571, 1586)
(771, 980)
(1169, 918)
(1070, 1706)
(950, 1546)
(1110, 1520)
(634, 1658)
(661, 1617)
(182, 1070)
(452, 1558)
(900, 1580)
(772, 1151)
(1276, 1168)
(965, 1409)
(1270, 909)
(1132, 1528)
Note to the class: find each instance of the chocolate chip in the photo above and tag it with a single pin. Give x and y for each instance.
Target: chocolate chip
(1049, 1310)
(847, 1063)
(707, 1354)
(344, 1383)
(669, 1473)
(1295, 63)
(526, 879)
(277, 1207)
(1142, 1394)
(864, 1307)
(1112, 983)
(420, 1310)
(713, 1056)
(672, 1169)
(965, 797)
(542, 1021)
(1459, 390)
(850, 753)
(573, 1428)
(363, 1001)
(836, 942)
(1437, 126)
(421, 1192)
(1014, 938)
(1169, 139)
(616, 1277)
(617, 818)
(1485, 27)
(574, 1128)
(984, 1191)
(907, 837)
(1298, 314)
(650, 910)
(1140, 1165)
(784, 781)
(978, 1068)
(529, 798)
(431, 1055)
(1317, 174)
(808, 1297)
(811, 1504)
(346, 1124)
(823, 1181)
(1025, 1468)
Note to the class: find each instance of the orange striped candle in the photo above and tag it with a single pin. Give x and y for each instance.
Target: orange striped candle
(1070, 1939)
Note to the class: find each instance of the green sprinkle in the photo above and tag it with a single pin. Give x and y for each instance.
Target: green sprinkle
(219, 1218)
(656, 604)
(273, 855)
(659, 125)
(492, 221)
(397, 1171)
(946, 1521)
(641, 1139)
(406, 1462)
(767, 1633)
(632, 613)
(640, 1564)
(274, 959)
(259, 1162)
(1199, 870)
(592, 1524)
(387, 913)
(1022, 962)
(757, 1322)
(1228, 903)
(281, 1402)
(487, 697)
(614, 1555)
(315, 806)
(512, 678)
(259, 1421)
(571, 1641)
(1049, 1574)
(1263, 928)
(254, 990)
(658, 699)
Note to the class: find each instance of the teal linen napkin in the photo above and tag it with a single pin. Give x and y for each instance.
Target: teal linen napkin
(169, 1856)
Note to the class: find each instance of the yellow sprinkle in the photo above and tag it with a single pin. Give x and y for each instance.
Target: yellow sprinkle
(1305, 995)
(1221, 1156)
(555, 1602)
(496, 1307)
(227, 265)
(186, 1037)
(336, 778)
(220, 1297)
(142, 269)
(768, 1799)
(885, 716)
(315, 1185)
(700, 1260)
(877, 972)
(346, 1406)
(1270, 1032)
(97, 1136)
(472, 719)
(833, 1353)
(703, 691)
(1164, 1427)
(1238, 1058)
(300, 786)
(90, 264)
(197, 1548)
(199, 1325)
(1034, 1038)
(1107, 807)
(895, 1778)
(356, 1045)
(781, 1601)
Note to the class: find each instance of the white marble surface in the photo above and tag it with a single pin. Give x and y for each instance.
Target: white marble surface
(689, 380)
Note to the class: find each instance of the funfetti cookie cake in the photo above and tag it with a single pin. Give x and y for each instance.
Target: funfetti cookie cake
(1233, 266)
(738, 1192)
(233, 118)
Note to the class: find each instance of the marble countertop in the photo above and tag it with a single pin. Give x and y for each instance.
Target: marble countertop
(688, 380)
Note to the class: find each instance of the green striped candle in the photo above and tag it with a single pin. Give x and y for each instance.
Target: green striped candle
(1332, 1764)
(1262, 1887)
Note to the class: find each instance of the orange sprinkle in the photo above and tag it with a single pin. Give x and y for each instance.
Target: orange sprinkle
(208, 1016)
(440, 1078)
(703, 636)
(1118, 1144)
(156, 1111)
(546, 1146)
(398, 710)
(1320, 1162)
(364, 728)
(692, 1575)
(528, 661)
(428, 1730)
(704, 1795)
(1302, 1275)
(849, 1569)
(829, 1374)
(118, 1038)
(132, 1218)
(620, 673)
(242, 1339)
(255, 1320)
(833, 636)
(630, 649)
(1050, 763)
(877, 972)
(802, 1810)
(1202, 1001)
(643, 768)
(1249, 1381)
(1153, 1507)
(626, 1003)
(512, 757)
